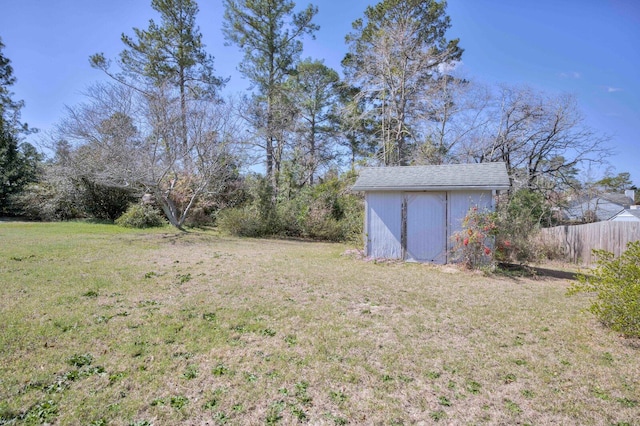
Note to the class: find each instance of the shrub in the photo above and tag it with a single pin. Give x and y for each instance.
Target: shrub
(241, 221)
(141, 216)
(616, 282)
(519, 221)
(101, 201)
(326, 211)
(473, 243)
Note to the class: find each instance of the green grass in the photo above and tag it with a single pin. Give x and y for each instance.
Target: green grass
(106, 326)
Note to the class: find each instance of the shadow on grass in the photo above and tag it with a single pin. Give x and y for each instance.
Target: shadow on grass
(518, 270)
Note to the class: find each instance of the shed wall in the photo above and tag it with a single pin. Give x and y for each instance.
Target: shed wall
(431, 218)
(426, 227)
(384, 224)
(461, 201)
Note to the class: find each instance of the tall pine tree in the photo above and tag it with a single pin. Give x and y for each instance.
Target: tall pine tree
(18, 160)
(170, 54)
(269, 32)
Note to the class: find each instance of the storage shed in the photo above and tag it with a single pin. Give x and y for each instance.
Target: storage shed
(411, 212)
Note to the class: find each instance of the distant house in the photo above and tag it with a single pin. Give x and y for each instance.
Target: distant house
(598, 207)
(411, 212)
(628, 215)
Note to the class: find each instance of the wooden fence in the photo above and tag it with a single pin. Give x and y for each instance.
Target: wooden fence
(577, 241)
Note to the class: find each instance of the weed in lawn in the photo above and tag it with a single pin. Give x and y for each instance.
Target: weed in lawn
(512, 407)
(210, 404)
(600, 393)
(44, 412)
(443, 400)
(338, 397)
(301, 393)
(221, 418)
(78, 360)
(274, 414)
(141, 423)
(473, 387)
(209, 316)
(438, 415)
(158, 402)
(527, 393)
(450, 369)
(116, 377)
(191, 372)
(267, 332)
(91, 294)
(509, 378)
(250, 377)
(178, 401)
(183, 278)
(299, 413)
(102, 319)
(99, 422)
(433, 375)
(64, 327)
(291, 339)
(220, 370)
(405, 379)
(626, 402)
(607, 358)
(520, 362)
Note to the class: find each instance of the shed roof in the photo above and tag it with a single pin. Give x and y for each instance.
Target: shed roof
(440, 177)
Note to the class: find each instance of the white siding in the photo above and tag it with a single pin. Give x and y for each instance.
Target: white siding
(625, 217)
(461, 201)
(426, 227)
(384, 224)
(459, 204)
(431, 219)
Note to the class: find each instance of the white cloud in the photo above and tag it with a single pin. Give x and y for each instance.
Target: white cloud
(570, 74)
(613, 89)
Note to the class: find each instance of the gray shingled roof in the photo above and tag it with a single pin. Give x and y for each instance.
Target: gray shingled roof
(441, 177)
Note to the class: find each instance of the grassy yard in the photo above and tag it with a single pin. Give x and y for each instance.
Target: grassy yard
(105, 326)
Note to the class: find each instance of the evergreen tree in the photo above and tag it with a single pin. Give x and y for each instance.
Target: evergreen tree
(314, 90)
(269, 33)
(170, 54)
(18, 160)
(396, 54)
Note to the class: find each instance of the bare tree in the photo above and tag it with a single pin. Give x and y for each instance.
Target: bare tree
(542, 138)
(128, 139)
(456, 112)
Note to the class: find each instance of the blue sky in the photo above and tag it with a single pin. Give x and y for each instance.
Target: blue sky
(585, 47)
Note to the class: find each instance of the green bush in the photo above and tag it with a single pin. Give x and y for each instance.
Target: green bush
(141, 216)
(241, 221)
(326, 211)
(616, 282)
(519, 221)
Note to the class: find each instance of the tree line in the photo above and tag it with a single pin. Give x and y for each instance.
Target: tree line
(160, 127)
